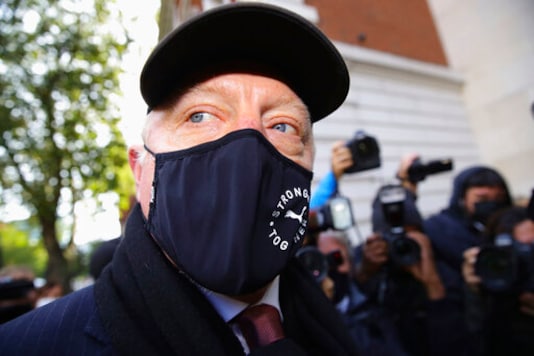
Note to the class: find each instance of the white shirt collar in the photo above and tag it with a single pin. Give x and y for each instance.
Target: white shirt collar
(228, 307)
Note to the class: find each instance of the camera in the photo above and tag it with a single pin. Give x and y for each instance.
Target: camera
(418, 171)
(403, 251)
(335, 214)
(318, 264)
(506, 265)
(365, 152)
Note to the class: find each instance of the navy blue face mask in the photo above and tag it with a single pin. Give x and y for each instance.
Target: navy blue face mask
(484, 209)
(229, 213)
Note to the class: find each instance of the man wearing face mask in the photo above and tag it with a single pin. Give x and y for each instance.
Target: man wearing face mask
(477, 192)
(397, 272)
(223, 182)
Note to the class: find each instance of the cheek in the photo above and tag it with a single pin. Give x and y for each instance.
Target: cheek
(469, 203)
(144, 192)
(299, 149)
(184, 138)
(470, 208)
(496, 193)
(308, 157)
(300, 154)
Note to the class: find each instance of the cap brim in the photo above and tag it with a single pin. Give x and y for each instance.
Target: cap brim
(234, 37)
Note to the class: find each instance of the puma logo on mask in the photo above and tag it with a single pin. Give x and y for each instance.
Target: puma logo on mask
(292, 215)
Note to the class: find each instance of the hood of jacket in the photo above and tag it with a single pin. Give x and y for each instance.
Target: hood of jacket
(460, 182)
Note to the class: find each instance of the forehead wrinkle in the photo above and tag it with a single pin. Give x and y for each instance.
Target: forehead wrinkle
(226, 89)
(289, 100)
(215, 87)
(210, 87)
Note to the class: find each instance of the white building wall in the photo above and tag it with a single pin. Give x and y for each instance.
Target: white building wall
(491, 43)
(409, 106)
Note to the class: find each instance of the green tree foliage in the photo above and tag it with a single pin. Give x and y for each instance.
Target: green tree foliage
(18, 249)
(59, 136)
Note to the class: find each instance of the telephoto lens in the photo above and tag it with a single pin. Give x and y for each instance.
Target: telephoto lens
(418, 171)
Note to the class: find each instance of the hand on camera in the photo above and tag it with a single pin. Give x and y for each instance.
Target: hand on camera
(425, 270)
(341, 158)
(375, 254)
(473, 282)
(402, 173)
(328, 287)
(468, 269)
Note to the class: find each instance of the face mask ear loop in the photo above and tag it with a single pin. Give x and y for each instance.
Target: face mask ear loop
(152, 192)
(149, 150)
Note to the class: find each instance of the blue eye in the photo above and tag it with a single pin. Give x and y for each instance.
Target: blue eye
(281, 127)
(198, 117)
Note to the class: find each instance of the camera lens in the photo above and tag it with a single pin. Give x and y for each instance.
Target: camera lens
(405, 251)
(314, 261)
(496, 267)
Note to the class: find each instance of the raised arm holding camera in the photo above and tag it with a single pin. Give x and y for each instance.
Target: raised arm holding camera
(340, 159)
(358, 154)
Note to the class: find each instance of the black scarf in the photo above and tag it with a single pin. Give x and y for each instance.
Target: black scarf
(150, 308)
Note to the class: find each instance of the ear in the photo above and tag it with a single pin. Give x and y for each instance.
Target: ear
(134, 153)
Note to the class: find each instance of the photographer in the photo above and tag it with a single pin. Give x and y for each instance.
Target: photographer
(328, 257)
(478, 191)
(404, 281)
(369, 325)
(499, 285)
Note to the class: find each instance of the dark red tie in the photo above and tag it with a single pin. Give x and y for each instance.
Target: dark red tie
(260, 325)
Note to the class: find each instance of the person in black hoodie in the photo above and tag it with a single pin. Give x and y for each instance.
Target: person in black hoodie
(478, 191)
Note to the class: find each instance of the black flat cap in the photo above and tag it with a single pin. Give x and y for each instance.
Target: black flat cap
(248, 37)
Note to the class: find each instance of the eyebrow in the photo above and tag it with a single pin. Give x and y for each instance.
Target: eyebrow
(220, 89)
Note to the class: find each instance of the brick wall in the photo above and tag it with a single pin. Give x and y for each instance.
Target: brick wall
(402, 27)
